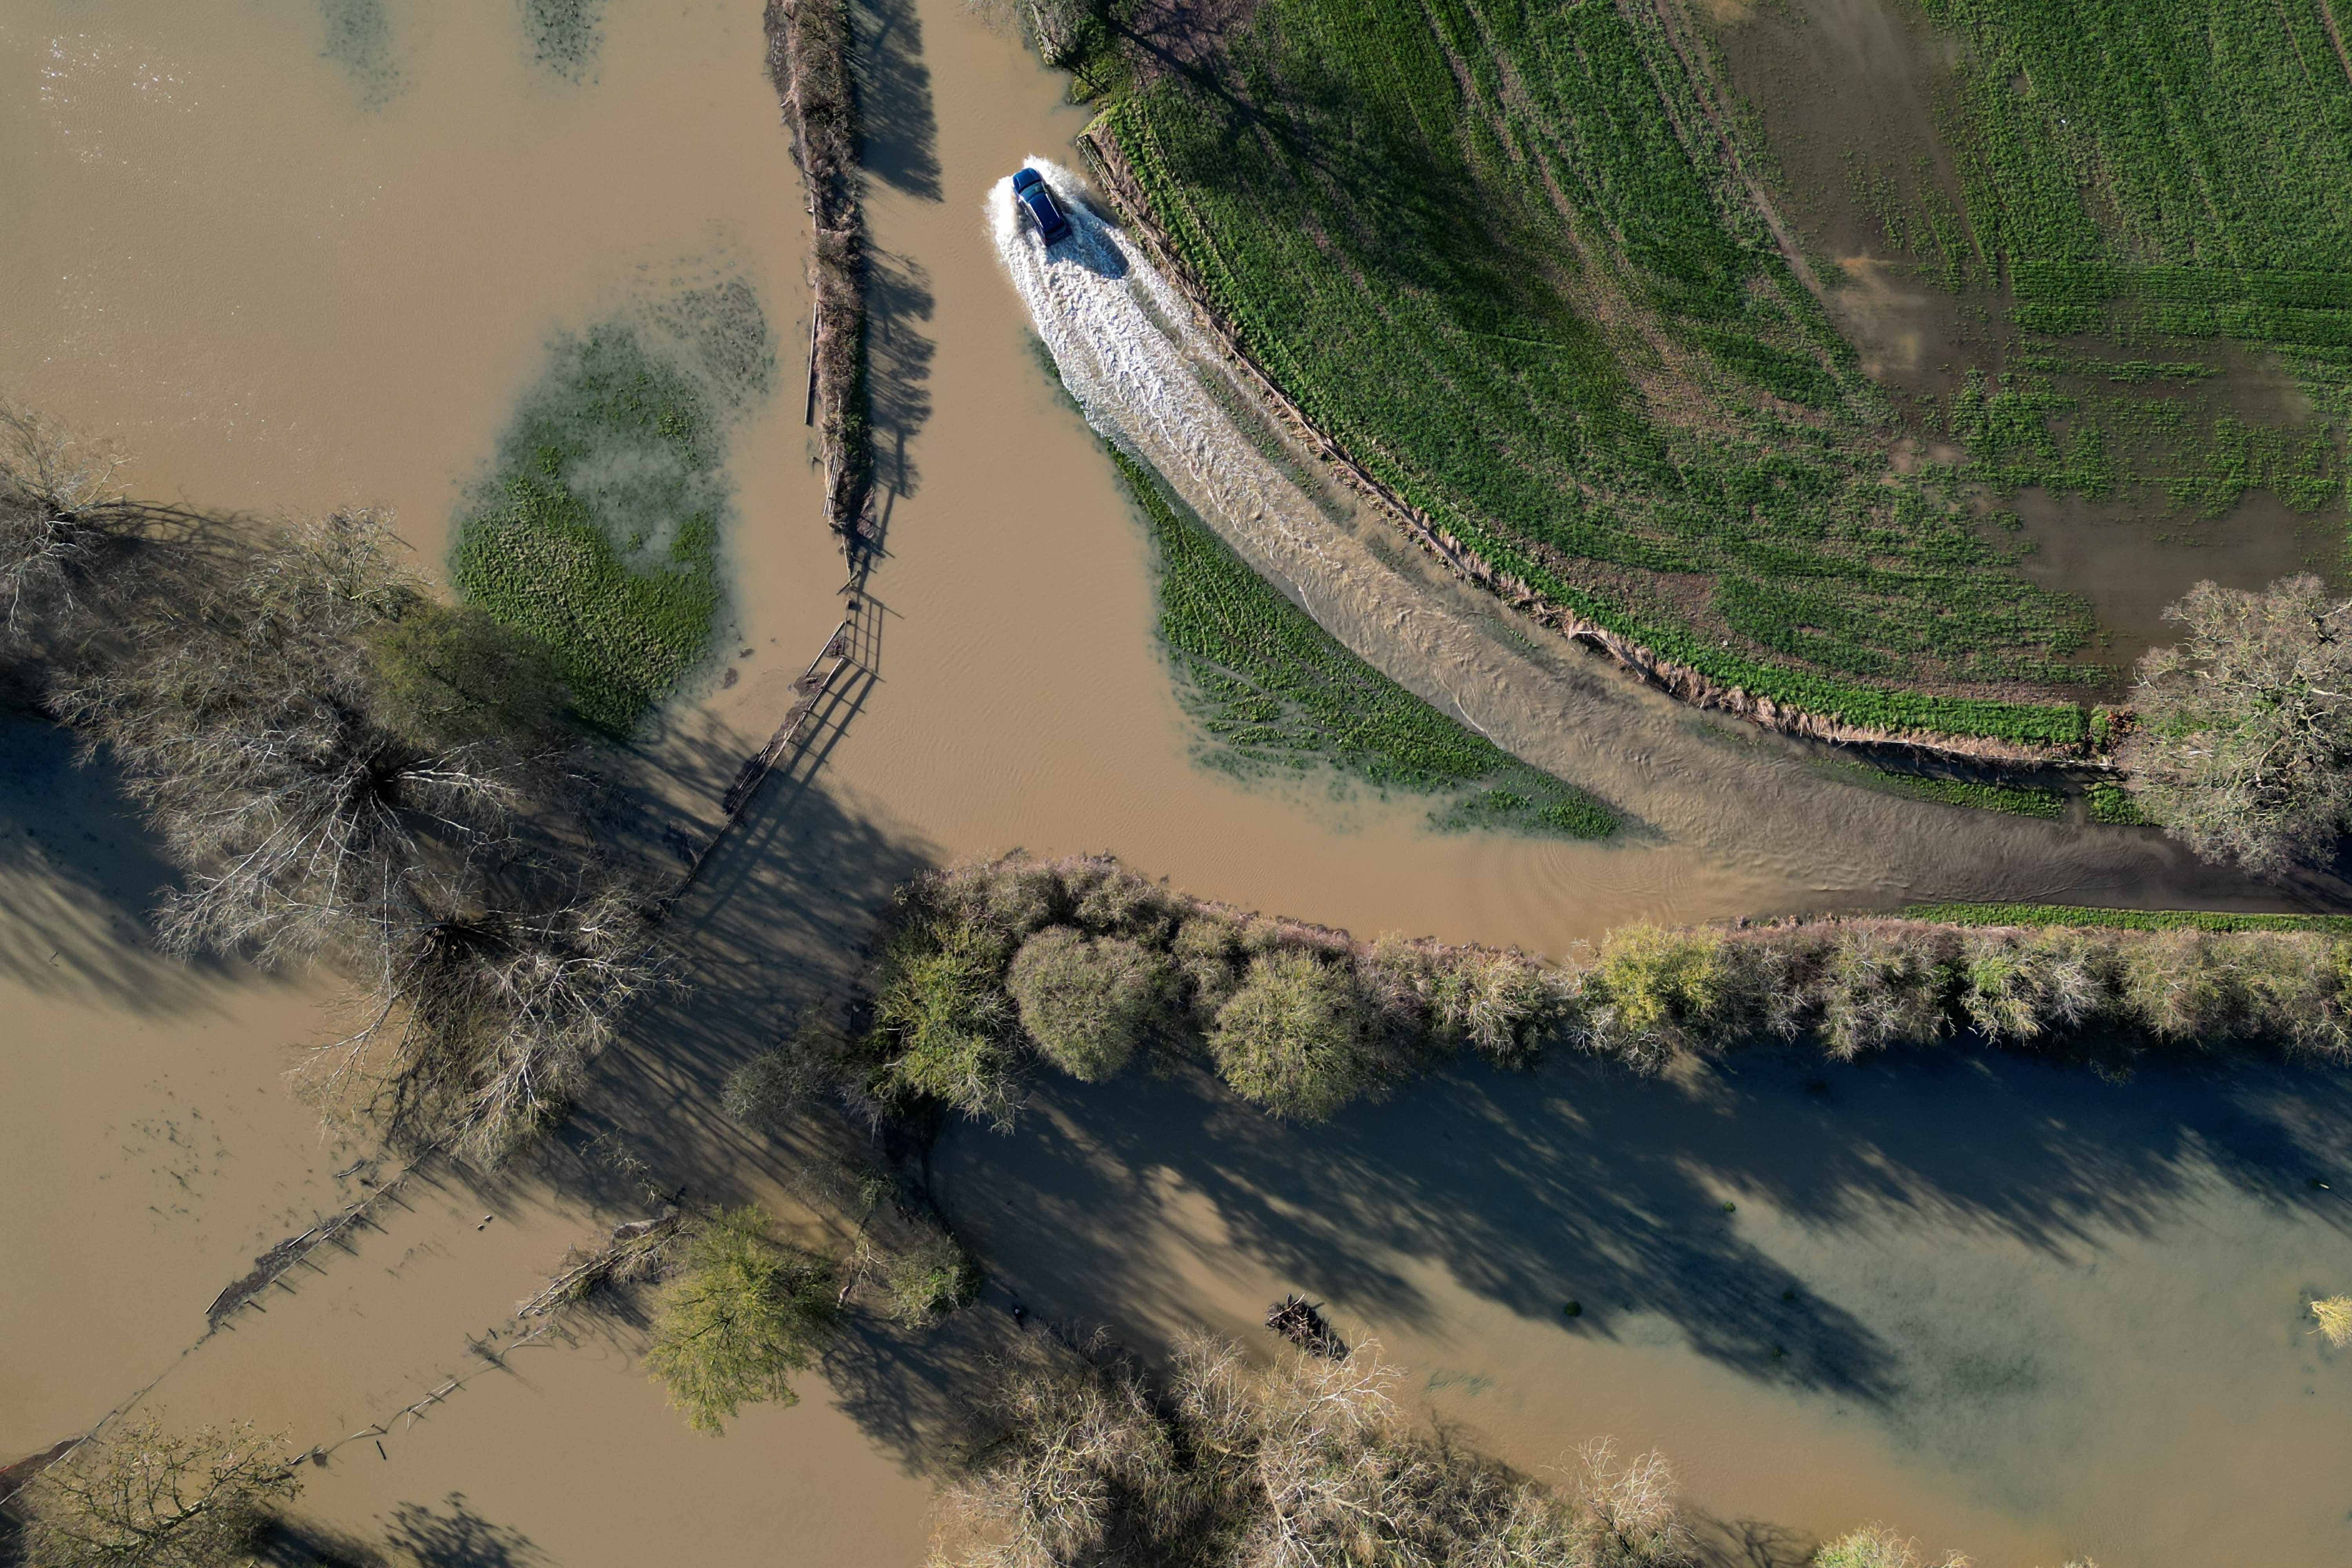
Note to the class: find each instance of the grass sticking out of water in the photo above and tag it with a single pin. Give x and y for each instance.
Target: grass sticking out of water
(598, 532)
(1276, 692)
(2014, 800)
(564, 36)
(1971, 914)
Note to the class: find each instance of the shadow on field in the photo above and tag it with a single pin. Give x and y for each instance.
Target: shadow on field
(1580, 1183)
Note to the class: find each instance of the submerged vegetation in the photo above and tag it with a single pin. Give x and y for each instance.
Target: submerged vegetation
(599, 535)
(1275, 691)
(1081, 965)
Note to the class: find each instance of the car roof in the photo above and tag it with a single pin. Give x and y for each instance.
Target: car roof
(1024, 178)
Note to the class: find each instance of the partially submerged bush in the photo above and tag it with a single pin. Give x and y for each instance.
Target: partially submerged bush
(141, 1497)
(1088, 1003)
(945, 1021)
(743, 1313)
(2335, 1316)
(1307, 1463)
(1653, 992)
(1876, 1546)
(1882, 988)
(1293, 1038)
(765, 1091)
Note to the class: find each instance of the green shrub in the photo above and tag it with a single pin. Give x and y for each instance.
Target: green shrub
(1294, 1038)
(2015, 987)
(1499, 1003)
(743, 1313)
(1209, 957)
(945, 1026)
(1653, 992)
(1088, 1003)
(766, 1091)
(928, 1276)
(1880, 988)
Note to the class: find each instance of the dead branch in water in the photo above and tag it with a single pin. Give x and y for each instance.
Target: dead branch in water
(637, 1251)
(1301, 1321)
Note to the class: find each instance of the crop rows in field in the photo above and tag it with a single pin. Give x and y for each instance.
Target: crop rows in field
(2165, 175)
(1539, 309)
(1273, 691)
(599, 535)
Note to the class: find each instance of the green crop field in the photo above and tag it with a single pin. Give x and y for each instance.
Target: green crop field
(2126, 920)
(1273, 691)
(598, 532)
(1496, 251)
(1500, 252)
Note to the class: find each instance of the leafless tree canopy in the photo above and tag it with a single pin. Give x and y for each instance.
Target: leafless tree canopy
(1305, 1464)
(67, 530)
(2244, 742)
(144, 1498)
(350, 770)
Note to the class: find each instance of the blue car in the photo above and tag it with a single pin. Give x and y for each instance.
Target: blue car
(1030, 189)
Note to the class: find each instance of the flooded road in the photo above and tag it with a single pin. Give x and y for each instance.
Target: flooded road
(418, 207)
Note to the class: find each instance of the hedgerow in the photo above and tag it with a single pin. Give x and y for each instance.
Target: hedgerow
(1709, 481)
(1272, 690)
(1300, 1020)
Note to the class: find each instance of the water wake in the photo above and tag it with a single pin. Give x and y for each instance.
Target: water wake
(1128, 350)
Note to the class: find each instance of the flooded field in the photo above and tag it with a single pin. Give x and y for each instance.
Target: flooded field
(426, 196)
(1847, 95)
(2017, 1311)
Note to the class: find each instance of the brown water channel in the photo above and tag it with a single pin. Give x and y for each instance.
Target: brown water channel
(295, 259)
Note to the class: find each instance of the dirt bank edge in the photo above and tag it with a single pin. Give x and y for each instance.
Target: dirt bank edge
(808, 60)
(1680, 681)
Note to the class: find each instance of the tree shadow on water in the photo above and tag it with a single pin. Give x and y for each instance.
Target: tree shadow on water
(898, 129)
(452, 1535)
(899, 301)
(1583, 1185)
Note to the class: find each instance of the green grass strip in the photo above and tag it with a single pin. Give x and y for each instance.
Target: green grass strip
(1275, 690)
(2015, 799)
(1969, 914)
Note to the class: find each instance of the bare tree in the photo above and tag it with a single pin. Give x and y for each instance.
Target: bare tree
(482, 1018)
(65, 525)
(2244, 732)
(143, 1497)
(1298, 1465)
(250, 730)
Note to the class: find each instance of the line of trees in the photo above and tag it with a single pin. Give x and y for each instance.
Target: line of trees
(345, 769)
(1083, 1458)
(1084, 967)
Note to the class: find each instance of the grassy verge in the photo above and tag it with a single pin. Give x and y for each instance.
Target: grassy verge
(2013, 799)
(1966, 915)
(1706, 477)
(1275, 691)
(598, 532)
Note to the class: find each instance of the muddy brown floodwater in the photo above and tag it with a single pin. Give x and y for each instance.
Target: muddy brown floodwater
(301, 255)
